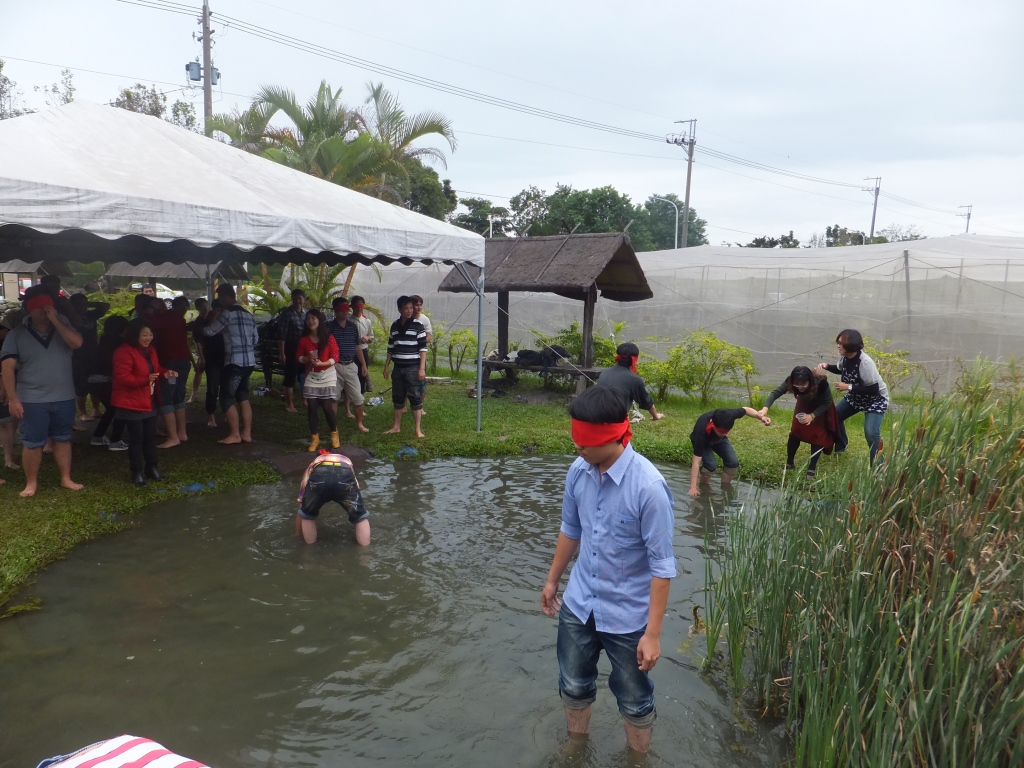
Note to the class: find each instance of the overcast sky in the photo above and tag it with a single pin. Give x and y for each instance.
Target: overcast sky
(927, 94)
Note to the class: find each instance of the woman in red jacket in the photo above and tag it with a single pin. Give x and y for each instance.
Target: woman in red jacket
(136, 396)
(318, 352)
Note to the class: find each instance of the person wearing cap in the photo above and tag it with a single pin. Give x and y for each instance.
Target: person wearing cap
(331, 477)
(37, 377)
(351, 363)
(617, 513)
(623, 377)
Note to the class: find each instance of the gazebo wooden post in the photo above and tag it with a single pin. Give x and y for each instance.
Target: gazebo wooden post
(502, 324)
(588, 336)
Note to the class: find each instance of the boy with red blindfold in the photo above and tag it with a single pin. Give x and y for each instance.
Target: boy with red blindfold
(710, 436)
(623, 377)
(617, 512)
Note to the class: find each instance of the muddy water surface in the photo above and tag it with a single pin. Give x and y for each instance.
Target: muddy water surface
(211, 628)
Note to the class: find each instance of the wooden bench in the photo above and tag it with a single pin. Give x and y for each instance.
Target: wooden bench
(577, 372)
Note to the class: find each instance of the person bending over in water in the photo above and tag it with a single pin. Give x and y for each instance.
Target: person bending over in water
(331, 477)
(617, 512)
(814, 417)
(710, 436)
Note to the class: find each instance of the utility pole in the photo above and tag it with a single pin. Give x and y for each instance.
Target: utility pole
(874, 208)
(207, 69)
(688, 140)
(967, 215)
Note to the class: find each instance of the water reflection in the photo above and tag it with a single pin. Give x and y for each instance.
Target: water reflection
(213, 629)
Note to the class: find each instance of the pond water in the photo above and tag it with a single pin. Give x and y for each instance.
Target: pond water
(211, 628)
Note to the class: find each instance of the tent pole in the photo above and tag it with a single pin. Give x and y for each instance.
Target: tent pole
(480, 352)
(209, 285)
(478, 289)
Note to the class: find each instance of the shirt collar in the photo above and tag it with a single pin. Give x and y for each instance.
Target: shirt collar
(617, 470)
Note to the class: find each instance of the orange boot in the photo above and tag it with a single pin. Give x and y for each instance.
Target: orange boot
(314, 443)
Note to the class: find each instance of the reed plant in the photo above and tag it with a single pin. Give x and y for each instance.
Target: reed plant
(883, 614)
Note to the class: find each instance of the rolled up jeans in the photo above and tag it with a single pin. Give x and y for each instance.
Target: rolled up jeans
(405, 382)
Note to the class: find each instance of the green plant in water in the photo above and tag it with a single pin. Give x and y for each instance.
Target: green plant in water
(884, 616)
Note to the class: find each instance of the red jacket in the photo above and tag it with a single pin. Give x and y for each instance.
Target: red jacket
(130, 385)
(308, 349)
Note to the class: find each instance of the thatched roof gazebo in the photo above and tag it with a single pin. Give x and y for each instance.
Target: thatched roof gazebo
(574, 266)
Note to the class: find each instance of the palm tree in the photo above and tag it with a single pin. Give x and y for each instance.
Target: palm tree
(248, 130)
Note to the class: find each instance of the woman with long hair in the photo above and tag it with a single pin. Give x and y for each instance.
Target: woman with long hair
(136, 397)
(814, 416)
(318, 352)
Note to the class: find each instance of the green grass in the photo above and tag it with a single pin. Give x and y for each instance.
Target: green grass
(883, 614)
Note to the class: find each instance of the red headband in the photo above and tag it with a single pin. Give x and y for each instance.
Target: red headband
(38, 302)
(592, 435)
(624, 358)
(343, 306)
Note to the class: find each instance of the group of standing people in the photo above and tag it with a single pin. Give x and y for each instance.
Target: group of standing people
(328, 361)
(54, 363)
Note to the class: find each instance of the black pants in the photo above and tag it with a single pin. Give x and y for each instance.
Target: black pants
(103, 394)
(791, 448)
(313, 405)
(141, 443)
(212, 388)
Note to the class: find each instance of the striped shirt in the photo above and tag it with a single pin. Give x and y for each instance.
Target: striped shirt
(406, 342)
(122, 752)
(347, 337)
(240, 336)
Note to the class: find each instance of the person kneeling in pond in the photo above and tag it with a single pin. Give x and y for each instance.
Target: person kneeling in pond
(814, 417)
(331, 477)
(710, 436)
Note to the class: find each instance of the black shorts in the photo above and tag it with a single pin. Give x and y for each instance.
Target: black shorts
(405, 383)
(332, 483)
(292, 367)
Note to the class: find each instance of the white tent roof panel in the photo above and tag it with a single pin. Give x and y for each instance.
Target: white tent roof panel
(114, 173)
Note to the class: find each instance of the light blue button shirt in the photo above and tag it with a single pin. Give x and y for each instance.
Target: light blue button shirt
(624, 523)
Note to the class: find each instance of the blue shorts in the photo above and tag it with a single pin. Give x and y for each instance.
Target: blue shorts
(47, 420)
(172, 391)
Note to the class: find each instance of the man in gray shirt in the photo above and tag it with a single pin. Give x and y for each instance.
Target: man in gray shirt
(36, 368)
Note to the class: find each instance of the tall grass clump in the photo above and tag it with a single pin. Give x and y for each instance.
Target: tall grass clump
(884, 615)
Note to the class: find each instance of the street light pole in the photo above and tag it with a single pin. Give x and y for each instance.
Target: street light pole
(688, 140)
(662, 199)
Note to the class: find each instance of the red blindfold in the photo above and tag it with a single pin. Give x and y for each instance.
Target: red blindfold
(38, 302)
(624, 358)
(592, 435)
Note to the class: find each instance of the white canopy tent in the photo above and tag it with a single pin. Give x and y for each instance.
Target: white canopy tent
(85, 182)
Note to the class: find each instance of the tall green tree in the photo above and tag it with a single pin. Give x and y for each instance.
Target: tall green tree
(767, 241)
(150, 101)
(660, 222)
(59, 94)
(428, 194)
(476, 216)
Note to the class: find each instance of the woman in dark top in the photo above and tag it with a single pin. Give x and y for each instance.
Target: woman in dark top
(100, 383)
(136, 397)
(814, 417)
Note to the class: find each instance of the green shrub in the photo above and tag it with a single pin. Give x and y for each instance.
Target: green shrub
(572, 339)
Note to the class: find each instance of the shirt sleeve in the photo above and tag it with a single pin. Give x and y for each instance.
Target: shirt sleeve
(775, 394)
(656, 524)
(391, 340)
(869, 372)
(217, 325)
(421, 338)
(642, 396)
(571, 525)
(738, 413)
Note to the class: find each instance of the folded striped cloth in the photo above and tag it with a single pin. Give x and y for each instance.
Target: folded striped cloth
(122, 752)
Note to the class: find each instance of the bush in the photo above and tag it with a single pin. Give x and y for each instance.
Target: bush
(121, 303)
(894, 365)
(700, 364)
(461, 345)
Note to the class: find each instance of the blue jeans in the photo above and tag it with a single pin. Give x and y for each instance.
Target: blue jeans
(724, 449)
(579, 646)
(872, 427)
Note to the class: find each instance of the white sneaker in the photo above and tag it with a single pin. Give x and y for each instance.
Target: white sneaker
(120, 445)
(101, 440)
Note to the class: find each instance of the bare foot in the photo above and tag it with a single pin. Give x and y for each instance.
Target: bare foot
(71, 485)
(361, 428)
(423, 413)
(11, 465)
(246, 438)
(292, 409)
(88, 417)
(30, 490)
(393, 431)
(182, 438)
(420, 434)
(2, 481)
(169, 444)
(212, 422)
(230, 440)
(349, 415)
